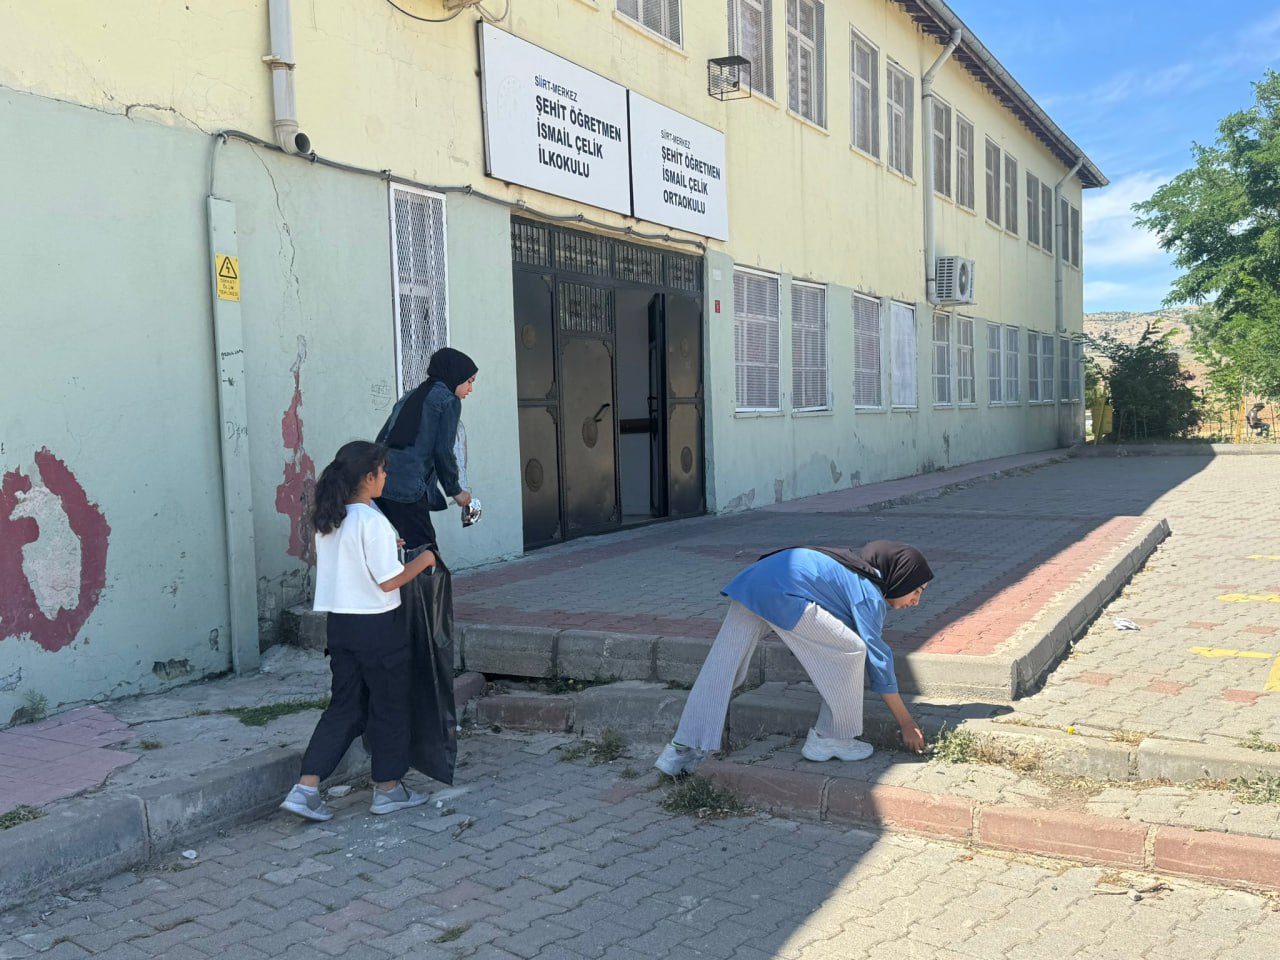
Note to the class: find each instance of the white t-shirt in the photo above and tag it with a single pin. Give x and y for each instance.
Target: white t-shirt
(352, 560)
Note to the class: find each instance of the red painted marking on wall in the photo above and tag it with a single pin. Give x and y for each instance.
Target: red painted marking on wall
(20, 611)
(294, 494)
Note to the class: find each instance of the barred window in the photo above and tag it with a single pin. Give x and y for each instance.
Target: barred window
(901, 118)
(902, 322)
(964, 162)
(660, 16)
(806, 59)
(867, 349)
(941, 358)
(1010, 194)
(1012, 391)
(965, 385)
(755, 340)
(421, 296)
(809, 347)
(751, 36)
(995, 363)
(865, 122)
(993, 183)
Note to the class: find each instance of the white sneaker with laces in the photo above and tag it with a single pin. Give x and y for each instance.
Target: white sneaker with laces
(828, 748)
(306, 804)
(676, 759)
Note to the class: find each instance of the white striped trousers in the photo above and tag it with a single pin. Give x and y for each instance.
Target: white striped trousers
(833, 655)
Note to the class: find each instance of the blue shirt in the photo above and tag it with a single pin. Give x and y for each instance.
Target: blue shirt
(780, 587)
(420, 470)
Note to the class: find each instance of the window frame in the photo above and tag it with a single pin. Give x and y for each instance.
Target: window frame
(1033, 209)
(965, 362)
(817, 45)
(943, 393)
(995, 364)
(858, 366)
(638, 18)
(872, 86)
(914, 366)
(1012, 366)
(765, 9)
(994, 191)
(1046, 218)
(940, 142)
(900, 113)
(965, 186)
(415, 286)
(740, 406)
(826, 348)
(1011, 193)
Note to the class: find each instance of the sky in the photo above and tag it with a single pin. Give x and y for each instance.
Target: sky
(1134, 83)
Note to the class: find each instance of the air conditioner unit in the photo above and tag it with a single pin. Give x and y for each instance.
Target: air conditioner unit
(954, 280)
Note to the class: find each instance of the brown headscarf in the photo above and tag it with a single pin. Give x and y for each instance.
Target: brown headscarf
(895, 568)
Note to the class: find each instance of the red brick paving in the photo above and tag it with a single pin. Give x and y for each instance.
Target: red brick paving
(1170, 687)
(60, 757)
(1096, 679)
(1241, 696)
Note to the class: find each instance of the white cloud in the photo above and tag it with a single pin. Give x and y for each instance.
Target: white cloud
(1111, 238)
(1140, 295)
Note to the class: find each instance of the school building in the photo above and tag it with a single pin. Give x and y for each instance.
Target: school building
(708, 255)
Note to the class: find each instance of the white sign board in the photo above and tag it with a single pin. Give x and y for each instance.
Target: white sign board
(677, 170)
(553, 125)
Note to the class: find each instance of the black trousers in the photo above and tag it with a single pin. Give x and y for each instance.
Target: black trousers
(369, 656)
(412, 521)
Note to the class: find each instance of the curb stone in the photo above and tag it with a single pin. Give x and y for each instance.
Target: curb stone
(89, 838)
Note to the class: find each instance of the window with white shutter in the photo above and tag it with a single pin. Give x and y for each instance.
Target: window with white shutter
(965, 386)
(866, 353)
(755, 340)
(751, 36)
(941, 147)
(660, 16)
(809, 347)
(1046, 217)
(421, 296)
(900, 109)
(993, 183)
(1046, 368)
(865, 121)
(1010, 194)
(941, 358)
(964, 162)
(995, 363)
(1012, 392)
(1033, 208)
(902, 325)
(806, 59)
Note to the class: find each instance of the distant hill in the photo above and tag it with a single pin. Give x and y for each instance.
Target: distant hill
(1128, 326)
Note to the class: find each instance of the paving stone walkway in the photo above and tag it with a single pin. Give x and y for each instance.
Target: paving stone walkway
(531, 857)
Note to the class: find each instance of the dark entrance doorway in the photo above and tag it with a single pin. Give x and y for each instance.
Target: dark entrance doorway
(609, 379)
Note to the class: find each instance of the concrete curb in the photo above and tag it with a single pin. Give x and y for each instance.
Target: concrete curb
(89, 838)
(1180, 450)
(1218, 857)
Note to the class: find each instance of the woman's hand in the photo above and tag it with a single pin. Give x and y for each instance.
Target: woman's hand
(912, 736)
(462, 498)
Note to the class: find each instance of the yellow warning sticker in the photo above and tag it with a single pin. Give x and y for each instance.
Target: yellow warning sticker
(227, 271)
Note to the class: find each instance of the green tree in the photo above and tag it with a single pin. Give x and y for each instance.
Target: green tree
(1221, 221)
(1150, 393)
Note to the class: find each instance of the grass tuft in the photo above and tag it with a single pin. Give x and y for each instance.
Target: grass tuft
(628, 773)
(35, 706)
(573, 685)
(1133, 737)
(149, 744)
(955, 746)
(453, 933)
(19, 814)
(1254, 741)
(699, 797)
(1261, 790)
(261, 716)
(608, 748)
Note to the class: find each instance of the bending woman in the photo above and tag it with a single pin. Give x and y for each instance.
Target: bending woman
(828, 606)
(420, 435)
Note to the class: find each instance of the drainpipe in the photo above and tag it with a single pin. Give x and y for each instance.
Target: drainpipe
(1066, 423)
(280, 60)
(926, 142)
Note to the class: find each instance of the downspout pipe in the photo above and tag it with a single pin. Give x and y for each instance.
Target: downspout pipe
(926, 143)
(1070, 428)
(280, 60)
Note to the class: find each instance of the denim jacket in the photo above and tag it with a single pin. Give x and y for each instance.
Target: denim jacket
(420, 470)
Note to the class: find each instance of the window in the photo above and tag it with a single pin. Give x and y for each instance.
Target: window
(902, 322)
(1075, 237)
(866, 352)
(1010, 194)
(421, 297)
(901, 117)
(993, 183)
(1033, 208)
(806, 60)
(660, 16)
(809, 347)
(1011, 392)
(755, 339)
(1046, 368)
(865, 123)
(964, 162)
(1064, 369)
(1064, 220)
(751, 36)
(1046, 217)
(995, 363)
(941, 358)
(1040, 367)
(965, 385)
(1033, 367)
(941, 147)
(1077, 369)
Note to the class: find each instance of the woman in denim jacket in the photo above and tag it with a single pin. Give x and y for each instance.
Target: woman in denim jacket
(420, 433)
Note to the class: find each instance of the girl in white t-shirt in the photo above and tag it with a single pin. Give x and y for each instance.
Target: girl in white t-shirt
(358, 580)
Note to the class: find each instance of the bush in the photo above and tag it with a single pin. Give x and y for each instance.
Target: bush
(1149, 391)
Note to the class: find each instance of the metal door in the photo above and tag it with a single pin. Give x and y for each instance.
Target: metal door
(538, 402)
(585, 314)
(682, 320)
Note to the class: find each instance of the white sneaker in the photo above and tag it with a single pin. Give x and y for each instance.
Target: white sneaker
(827, 748)
(304, 804)
(676, 759)
(398, 797)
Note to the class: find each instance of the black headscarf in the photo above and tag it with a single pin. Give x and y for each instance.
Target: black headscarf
(448, 366)
(895, 568)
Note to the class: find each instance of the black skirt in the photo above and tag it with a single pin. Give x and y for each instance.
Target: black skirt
(412, 522)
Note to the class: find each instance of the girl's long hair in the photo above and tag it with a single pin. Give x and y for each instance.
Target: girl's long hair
(354, 461)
